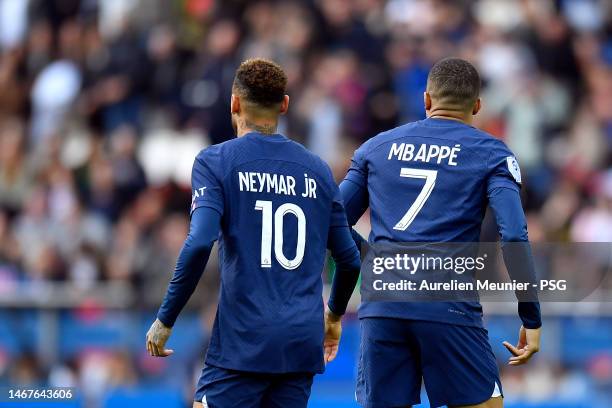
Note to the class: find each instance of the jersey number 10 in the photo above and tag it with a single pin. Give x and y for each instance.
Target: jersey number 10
(266, 234)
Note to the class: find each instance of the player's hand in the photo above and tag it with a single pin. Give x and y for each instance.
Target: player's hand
(528, 345)
(157, 336)
(333, 331)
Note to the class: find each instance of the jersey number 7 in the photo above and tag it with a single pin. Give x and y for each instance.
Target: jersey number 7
(430, 182)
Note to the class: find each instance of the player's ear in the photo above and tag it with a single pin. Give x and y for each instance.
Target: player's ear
(427, 101)
(477, 106)
(235, 104)
(284, 106)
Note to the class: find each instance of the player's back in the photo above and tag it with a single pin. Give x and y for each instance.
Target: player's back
(428, 182)
(276, 201)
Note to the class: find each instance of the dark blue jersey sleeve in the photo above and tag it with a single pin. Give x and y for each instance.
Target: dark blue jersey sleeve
(206, 186)
(345, 255)
(358, 239)
(355, 198)
(503, 169)
(512, 226)
(348, 262)
(338, 214)
(358, 172)
(354, 188)
(203, 232)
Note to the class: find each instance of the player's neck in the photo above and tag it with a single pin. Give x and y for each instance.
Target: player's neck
(250, 125)
(457, 116)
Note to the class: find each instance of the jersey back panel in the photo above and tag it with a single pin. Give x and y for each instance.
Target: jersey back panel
(277, 201)
(428, 182)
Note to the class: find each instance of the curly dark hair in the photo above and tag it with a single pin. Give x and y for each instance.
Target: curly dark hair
(261, 82)
(455, 82)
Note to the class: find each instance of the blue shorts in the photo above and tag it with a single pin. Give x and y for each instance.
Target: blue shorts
(455, 362)
(223, 388)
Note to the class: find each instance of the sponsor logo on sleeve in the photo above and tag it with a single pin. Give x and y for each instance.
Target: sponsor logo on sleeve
(197, 193)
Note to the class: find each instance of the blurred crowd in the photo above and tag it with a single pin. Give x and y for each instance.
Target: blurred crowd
(104, 104)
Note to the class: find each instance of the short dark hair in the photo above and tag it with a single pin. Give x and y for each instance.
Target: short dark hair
(454, 82)
(261, 82)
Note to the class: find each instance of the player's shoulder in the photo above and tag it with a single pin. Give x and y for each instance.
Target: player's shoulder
(214, 158)
(482, 137)
(313, 162)
(499, 156)
(219, 148)
(383, 138)
(223, 153)
(313, 159)
(210, 150)
(492, 146)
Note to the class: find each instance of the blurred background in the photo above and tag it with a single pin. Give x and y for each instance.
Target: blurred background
(105, 103)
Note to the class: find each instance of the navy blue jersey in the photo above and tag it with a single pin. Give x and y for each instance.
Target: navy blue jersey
(278, 202)
(429, 181)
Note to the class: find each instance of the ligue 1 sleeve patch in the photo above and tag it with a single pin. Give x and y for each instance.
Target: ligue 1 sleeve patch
(514, 168)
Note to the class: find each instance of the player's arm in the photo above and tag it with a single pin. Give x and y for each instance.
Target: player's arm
(354, 192)
(505, 201)
(355, 198)
(203, 232)
(344, 242)
(348, 262)
(206, 214)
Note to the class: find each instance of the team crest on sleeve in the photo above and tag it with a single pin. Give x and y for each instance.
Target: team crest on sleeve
(514, 168)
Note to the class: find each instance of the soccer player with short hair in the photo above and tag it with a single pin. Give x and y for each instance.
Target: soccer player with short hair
(274, 208)
(440, 196)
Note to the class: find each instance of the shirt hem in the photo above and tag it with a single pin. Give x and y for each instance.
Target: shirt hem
(421, 317)
(247, 368)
